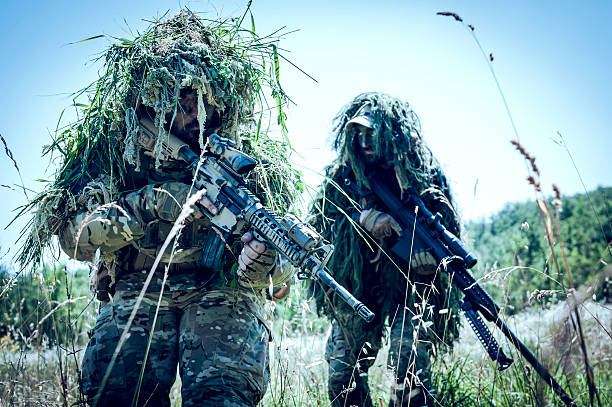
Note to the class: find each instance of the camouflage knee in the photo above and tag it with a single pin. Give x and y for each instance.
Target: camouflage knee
(96, 360)
(116, 383)
(348, 366)
(409, 360)
(224, 357)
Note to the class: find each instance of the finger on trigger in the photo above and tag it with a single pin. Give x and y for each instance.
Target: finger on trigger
(207, 203)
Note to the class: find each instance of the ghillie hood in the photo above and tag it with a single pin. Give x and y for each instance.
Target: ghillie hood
(403, 153)
(398, 140)
(228, 66)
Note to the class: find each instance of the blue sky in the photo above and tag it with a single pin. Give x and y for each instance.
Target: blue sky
(552, 60)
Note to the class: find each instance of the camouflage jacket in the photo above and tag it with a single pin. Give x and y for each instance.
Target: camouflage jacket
(359, 265)
(132, 230)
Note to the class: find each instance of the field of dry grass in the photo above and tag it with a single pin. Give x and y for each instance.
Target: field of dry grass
(299, 371)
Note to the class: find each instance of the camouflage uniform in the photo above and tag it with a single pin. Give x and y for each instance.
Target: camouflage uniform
(378, 133)
(207, 324)
(353, 343)
(351, 350)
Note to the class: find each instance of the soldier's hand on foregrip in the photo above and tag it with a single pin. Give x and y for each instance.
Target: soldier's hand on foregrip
(255, 262)
(423, 263)
(379, 224)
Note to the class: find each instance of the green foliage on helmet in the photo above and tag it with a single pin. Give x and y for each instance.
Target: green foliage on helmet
(229, 67)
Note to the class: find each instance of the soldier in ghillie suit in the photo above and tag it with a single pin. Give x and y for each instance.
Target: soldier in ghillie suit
(377, 133)
(115, 204)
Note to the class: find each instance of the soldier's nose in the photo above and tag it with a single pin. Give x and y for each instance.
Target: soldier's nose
(363, 141)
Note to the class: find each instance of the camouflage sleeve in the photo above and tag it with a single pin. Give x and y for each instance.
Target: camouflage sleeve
(115, 225)
(283, 271)
(269, 268)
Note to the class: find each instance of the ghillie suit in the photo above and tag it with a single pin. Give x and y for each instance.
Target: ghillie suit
(115, 204)
(362, 264)
(227, 69)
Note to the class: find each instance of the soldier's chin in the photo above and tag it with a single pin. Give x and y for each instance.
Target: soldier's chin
(370, 158)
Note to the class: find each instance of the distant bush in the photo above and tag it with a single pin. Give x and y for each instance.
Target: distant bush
(43, 308)
(512, 245)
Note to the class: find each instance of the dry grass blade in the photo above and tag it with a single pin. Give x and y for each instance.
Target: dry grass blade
(9, 154)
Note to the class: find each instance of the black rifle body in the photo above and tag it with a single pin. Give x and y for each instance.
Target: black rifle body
(455, 259)
(221, 175)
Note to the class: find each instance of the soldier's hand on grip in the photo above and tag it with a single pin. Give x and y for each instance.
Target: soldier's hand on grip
(166, 201)
(208, 205)
(423, 263)
(379, 224)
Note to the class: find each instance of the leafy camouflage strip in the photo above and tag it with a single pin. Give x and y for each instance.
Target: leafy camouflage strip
(218, 339)
(351, 350)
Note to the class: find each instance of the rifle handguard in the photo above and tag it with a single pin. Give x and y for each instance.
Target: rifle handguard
(221, 176)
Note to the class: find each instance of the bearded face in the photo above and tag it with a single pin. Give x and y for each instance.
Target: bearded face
(363, 142)
(360, 131)
(185, 124)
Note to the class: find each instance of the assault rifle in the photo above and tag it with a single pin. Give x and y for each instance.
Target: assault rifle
(221, 175)
(448, 250)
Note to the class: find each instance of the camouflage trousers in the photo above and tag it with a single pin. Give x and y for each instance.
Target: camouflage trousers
(217, 339)
(350, 352)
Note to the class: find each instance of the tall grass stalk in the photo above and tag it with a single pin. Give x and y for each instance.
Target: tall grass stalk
(545, 214)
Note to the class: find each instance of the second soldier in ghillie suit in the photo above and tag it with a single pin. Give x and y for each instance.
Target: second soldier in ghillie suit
(381, 134)
(114, 204)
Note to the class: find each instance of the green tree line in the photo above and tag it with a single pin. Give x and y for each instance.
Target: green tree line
(43, 308)
(515, 262)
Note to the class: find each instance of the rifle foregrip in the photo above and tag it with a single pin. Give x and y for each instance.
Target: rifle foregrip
(485, 337)
(266, 223)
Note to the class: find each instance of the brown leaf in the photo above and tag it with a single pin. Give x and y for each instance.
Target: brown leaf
(547, 223)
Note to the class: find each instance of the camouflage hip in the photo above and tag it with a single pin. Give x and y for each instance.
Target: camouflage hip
(216, 338)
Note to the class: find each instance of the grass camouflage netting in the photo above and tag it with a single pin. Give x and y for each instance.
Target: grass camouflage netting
(230, 67)
(397, 138)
